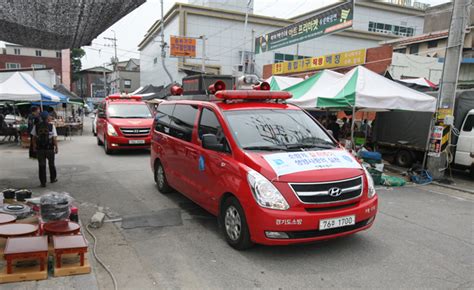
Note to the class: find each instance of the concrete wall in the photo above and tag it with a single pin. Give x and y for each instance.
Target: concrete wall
(133, 76)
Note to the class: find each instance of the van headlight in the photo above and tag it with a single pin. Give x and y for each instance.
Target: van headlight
(265, 193)
(111, 130)
(370, 184)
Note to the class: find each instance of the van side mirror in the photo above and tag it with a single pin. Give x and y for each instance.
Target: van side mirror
(209, 141)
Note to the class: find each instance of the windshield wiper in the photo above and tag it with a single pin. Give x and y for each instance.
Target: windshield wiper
(309, 145)
(265, 148)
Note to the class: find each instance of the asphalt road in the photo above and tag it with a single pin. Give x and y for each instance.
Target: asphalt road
(422, 237)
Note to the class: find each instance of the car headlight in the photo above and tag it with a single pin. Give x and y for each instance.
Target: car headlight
(370, 184)
(265, 193)
(111, 130)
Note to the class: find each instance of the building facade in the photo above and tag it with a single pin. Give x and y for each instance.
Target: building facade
(92, 84)
(432, 44)
(19, 57)
(127, 77)
(223, 29)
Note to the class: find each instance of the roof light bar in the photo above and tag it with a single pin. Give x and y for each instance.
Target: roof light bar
(253, 95)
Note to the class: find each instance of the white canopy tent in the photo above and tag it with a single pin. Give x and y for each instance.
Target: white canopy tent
(23, 87)
(362, 88)
(305, 93)
(279, 83)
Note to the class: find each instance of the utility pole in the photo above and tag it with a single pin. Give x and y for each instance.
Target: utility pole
(163, 44)
(116, 76)
(105, 81)
(452, 62)
(245, 32)
(203, 62)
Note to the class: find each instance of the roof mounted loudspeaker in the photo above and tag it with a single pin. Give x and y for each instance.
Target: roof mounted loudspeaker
(176, 90)
(263, 86)
(217, 86)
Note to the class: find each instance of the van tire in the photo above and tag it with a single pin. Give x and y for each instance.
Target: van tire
(160, 178)
(107, 150)
(404, 158)
(234, 225)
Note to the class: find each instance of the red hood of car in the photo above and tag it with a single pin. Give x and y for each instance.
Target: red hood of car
(256, 161)
(131, 123)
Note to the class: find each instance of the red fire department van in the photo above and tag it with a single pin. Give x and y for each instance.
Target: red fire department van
(270, 172)
(124, 122)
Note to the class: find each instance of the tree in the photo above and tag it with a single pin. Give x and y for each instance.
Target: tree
(76, 64)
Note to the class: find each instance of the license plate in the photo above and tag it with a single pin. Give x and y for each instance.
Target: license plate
(136, 141)
(337, 222)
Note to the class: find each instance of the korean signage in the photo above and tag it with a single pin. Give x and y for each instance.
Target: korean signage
(343, 59)
(328, 21)
(182, 46)
(439, 140)
(287, 163)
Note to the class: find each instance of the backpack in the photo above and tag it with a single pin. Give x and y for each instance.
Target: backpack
(42, 135)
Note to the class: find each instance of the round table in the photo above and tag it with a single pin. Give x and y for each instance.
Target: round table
(7, 218)
(61, 228)
(17, 230)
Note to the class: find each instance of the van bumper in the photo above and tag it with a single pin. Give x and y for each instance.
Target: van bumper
(301, 226)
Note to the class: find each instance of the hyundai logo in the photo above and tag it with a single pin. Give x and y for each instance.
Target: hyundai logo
(136, 131)
(334, 191)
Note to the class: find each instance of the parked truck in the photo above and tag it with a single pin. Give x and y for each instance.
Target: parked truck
(404, 134)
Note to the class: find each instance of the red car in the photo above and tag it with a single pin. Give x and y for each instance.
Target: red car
(270, 172)
(123, 122)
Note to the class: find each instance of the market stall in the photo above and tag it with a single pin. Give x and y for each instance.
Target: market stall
(364, 90)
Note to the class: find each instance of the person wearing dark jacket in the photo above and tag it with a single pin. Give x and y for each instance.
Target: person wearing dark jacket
(33, 119)
(334, 127)
(46, 146)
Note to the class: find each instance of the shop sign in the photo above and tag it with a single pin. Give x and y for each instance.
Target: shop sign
(335, 60)
(182, 46)
(328, 21)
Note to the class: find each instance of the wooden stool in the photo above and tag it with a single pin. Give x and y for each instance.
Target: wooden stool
(17, 230)
(75, 244)
(61, 228)
(7, 218)
(26, 248)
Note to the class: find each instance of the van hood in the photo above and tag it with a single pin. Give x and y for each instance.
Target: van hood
(304, 174)
(132, 123)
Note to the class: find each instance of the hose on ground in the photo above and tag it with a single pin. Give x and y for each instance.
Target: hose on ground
(114, 281)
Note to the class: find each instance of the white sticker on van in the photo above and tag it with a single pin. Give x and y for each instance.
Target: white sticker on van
(292, 162)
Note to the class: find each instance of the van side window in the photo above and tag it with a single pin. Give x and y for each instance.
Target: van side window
(209, 124)
(469, 124)
(182, 121)
(163, 117)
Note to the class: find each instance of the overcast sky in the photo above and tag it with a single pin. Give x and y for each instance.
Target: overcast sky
(131, 29)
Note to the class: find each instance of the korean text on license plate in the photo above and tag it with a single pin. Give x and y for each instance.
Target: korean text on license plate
(336, 222)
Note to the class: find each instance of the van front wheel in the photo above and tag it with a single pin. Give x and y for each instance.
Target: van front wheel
(160, 179)
(235, 226)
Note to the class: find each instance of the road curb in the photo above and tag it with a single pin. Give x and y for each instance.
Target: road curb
(452, 187)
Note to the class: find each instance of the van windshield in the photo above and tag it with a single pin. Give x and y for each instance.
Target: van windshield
(139, 111)
(277, 129)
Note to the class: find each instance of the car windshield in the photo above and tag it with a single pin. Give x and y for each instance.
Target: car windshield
(129, 111)
(277, 129)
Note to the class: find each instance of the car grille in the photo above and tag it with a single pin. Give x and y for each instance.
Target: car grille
(318, 233)
(135, 131)
(319, 192)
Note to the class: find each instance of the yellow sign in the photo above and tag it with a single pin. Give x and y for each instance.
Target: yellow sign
(182, 46)
(443, 112)
(349, 58)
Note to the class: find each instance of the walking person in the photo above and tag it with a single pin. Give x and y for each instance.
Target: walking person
(33, 119)
(46, 146)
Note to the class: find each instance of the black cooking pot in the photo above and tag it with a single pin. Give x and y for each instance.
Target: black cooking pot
(23, 194)
(9, 193)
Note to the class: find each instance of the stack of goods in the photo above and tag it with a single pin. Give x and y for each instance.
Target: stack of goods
(34, 228)
(373, 163)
